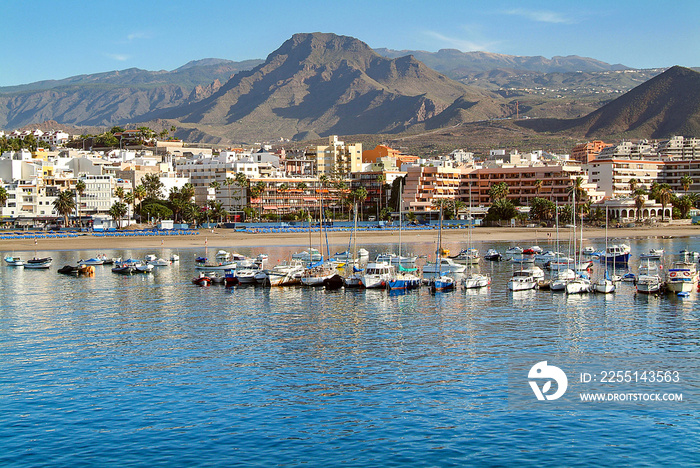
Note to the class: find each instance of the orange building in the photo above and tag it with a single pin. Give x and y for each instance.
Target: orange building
(587, 152)
(383, 151)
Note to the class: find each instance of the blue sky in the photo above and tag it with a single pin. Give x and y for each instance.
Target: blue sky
(52, 40)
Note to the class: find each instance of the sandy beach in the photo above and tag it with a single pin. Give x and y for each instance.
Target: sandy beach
(228, 238)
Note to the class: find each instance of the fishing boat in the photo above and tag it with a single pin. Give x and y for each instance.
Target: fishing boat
(14, 261)
(377, 274)
(616, 254)
(442, 283)
(682, 277)
(201, 280)
(403, 277)
(222, 255)
(316, 273)
(649, 281)
(38, 263)
(230, 278)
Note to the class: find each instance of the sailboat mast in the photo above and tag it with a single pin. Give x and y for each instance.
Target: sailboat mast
(400, 220)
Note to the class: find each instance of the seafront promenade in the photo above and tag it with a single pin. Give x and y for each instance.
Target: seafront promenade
(26, 241)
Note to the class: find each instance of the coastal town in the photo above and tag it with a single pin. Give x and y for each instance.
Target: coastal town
(48, 183)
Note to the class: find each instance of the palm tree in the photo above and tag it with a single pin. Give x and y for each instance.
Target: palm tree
(381, 178)
(64, 204)
(639, 199)
(664, 197)
(283, 188)
(153, 185)
(228, 182)
(538, 187)
(139, 194)
(686, 182)
(3, 197)
(633, 185)
(117, 212)
(119, 193)
(257, 191)
(79, 190)
(129, 200)
(499, 191)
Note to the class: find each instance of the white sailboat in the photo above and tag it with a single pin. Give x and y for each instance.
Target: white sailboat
(474, 279)
(605, 284)
(402, 277)
(580, 284)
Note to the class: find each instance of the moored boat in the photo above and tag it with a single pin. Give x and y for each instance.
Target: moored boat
(38, 263)
(201, 280)
(14, 261)
(377, 274)
(682, 277)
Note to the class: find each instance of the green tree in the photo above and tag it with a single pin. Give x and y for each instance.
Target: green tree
(639, 200)
(501, 209)
(151, 182)
(228, 182)
(686, 182)
(542, 209)
(64, 204)
(633, 183)
(664, 197)
(499, 191)
(117, 212)
(79, 191)
(140, 195)
(257, 191)
(3, 197)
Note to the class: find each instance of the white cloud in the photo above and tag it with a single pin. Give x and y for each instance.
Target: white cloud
(541, 16)
(465, 45)
(137, 35)
(119, 57)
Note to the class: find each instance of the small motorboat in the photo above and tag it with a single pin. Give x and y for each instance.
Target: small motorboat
(230, 278)
(92, 261)
(124, 268)
(174, 258)
(202, 280)
(629, 278)
(653, 254)
(493, 255)
(200, 259)
(14, 261)
(39, 263)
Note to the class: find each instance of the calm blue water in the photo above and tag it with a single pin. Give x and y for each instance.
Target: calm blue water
(153, 371)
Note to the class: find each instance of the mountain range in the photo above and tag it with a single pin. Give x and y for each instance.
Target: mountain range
(317, 84)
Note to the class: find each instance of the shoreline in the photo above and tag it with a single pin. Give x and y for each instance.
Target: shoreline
(225, 238)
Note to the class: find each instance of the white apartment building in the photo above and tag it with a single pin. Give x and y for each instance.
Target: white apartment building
(613, 176)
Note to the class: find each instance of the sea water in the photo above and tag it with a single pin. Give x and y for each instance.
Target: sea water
(151, 370)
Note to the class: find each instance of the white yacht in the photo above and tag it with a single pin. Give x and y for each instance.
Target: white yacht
(377, 274)
(682, 277)
(521, 281)
(447, 265)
